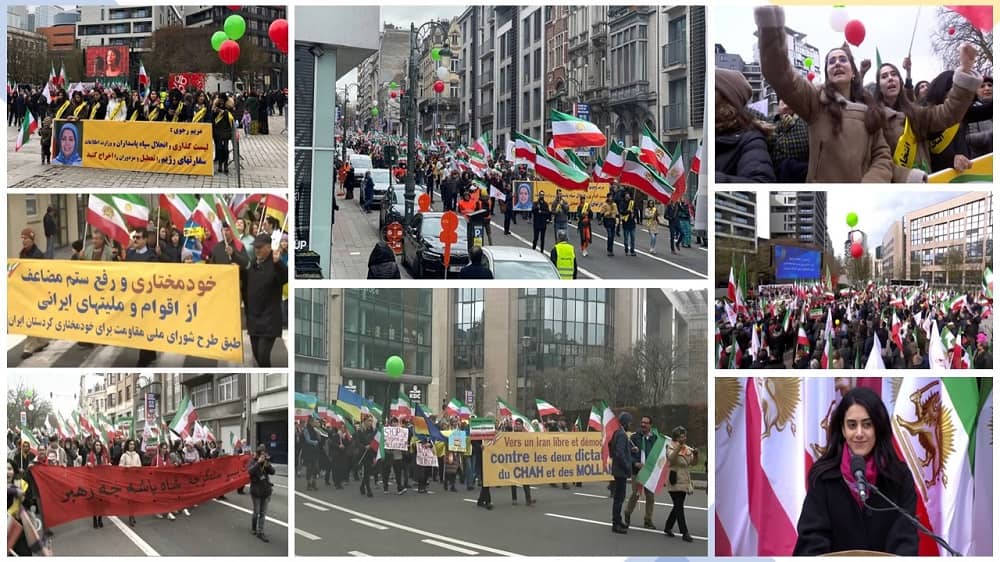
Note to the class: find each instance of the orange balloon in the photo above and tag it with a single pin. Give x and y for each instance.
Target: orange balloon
(449, 221)
(424, 203)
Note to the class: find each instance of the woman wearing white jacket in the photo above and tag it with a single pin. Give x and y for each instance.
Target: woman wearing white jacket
(130, 458)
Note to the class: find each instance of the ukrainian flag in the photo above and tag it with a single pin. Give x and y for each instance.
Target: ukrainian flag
(425, 427)
(350, 402)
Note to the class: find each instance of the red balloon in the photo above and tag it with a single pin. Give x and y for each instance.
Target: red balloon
(811, 76)
(854, 32)
(439, 86)
(234, 8)
(392, 95)
(951, 31)
(278, 32)
(229, 52)
(857, 251)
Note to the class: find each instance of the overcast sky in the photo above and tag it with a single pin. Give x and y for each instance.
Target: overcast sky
(63, 387)
(876, 212)
(888, 28)
(402, 16)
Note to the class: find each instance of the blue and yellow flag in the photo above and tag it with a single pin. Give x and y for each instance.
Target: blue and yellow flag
(423, 426)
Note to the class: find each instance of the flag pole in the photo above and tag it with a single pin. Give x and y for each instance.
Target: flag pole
(909, 51)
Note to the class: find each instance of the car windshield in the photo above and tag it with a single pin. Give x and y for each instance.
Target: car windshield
(380, 176)
(431, 228)
(523, 270)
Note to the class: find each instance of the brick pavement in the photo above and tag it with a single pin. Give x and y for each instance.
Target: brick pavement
(265, 167)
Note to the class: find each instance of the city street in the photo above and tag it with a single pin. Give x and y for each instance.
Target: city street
(355, 234)
(570, 522)
(218, 528)
(264, 157)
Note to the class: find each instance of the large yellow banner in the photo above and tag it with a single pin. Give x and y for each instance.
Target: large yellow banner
(191, 309)
(164, 147)
(526, 191)
(516, 459)
(980, 172)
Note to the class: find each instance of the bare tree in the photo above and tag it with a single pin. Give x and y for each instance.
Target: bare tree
(947, 44)
(658, 364)
(35, 414)
(954, 264)
(860, 269)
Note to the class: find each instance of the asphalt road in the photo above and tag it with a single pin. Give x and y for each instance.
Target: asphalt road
(689, 263)
(570, 522)
(216, 528)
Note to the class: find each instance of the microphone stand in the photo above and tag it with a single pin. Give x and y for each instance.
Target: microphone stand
(916, 523)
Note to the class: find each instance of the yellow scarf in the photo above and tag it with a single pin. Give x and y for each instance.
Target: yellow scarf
(135, 115)
(225, 113)
(905, 154)
(78, 109)
(177, 112)
(62, 109)
(154, 113)
(93, 109)
(199, 115)
(117, 110)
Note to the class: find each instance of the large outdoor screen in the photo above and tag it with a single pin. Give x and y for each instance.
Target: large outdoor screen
(107, 62)
(792, 262)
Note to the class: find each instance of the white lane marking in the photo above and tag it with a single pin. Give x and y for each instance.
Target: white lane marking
(309, 536)
(469, 500)
(250, 511)
(582, 520)
(358, 553)
(132, 536)
(421, 532)
(316, 507)
(642, 501)
(368, 523)
(450, 546)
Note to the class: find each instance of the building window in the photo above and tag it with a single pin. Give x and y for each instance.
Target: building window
(201, 395)
(468, 323)
(274, 380)
(383, 322)
(538, 64)
(228, 388)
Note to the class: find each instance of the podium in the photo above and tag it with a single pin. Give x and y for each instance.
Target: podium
(859, 553)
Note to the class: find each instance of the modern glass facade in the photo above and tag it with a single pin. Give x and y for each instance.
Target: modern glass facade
(383, 322)
(312, 337)
(468, 333)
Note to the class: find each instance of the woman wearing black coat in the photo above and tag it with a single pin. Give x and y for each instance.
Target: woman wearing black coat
(382, 263)
(834, 518)
(741, 154)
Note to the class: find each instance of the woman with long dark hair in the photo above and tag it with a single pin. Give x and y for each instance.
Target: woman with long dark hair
(834, 518)
(846, 144)
(954, 151)
(908, 126)
(98, 457)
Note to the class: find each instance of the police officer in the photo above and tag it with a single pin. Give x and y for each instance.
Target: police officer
(563, 256)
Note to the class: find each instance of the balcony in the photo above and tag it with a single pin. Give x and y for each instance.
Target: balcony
(486, 110)
(675, 54)
(578, 42)
(488, 47)
(486, 79)
(631, 93)
(599, 32)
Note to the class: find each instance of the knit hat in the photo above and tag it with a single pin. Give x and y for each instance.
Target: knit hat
(29, 233)
(733, 87)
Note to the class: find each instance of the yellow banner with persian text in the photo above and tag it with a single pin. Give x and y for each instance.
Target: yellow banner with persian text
(521, 458)
(138, 146)
(190, 309)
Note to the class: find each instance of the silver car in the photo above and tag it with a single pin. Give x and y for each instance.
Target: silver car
(515, 262)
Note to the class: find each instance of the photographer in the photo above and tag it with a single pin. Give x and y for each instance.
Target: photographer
(260, 470)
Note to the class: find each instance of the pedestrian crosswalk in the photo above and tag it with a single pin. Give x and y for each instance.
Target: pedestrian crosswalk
(67, 354)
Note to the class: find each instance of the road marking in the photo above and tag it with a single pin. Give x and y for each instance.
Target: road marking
(591, 521)
(358, 553)
(642, 500)
(421, 532)
(450, 546)
(132, 536)
(316, 507)
(250, 511)
(309, 536)
(366, 523)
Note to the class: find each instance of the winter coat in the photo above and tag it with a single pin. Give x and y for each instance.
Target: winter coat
(260, 479)
(832, 520)
(130, 459)
(680, 462)
(621, 455)
(31, 253)
(854, 155)
(743, 158)
(382, 263)
(264, 282)
(540, 214)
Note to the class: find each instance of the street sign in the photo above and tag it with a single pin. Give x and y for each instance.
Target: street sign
(415, 394)
(582, 111)
(24, 418)
(469, 398)
(150, 408)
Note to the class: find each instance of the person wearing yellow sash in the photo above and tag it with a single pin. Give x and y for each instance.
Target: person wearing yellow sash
(78, 108)
(202, 112)
(61, 106)
(950, 147)
(908, 126)
(117, 106)
(97, 109)
(222, 130)
(179, 107)
(135, 110)
(154, 108)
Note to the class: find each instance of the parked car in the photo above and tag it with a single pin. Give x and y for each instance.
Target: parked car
(515, 262)
(383, 183)
(423, 251)
(362, 163)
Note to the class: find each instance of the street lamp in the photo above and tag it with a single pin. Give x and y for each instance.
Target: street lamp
(343, 141)
(411, 109)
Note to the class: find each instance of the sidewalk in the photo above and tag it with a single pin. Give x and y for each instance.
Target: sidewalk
(354, 236)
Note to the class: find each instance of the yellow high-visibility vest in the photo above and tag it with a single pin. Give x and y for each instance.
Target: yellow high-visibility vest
(565, 259)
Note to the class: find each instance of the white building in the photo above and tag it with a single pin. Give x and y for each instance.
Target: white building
(126, 25)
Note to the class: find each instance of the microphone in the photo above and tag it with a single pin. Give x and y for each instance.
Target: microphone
(858, 470)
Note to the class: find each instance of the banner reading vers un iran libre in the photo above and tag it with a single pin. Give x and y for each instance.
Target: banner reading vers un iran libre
(520, 458)
(175, 308)
(138, 146)
(69, 493)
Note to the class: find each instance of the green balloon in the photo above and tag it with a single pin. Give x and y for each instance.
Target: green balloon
(217, 38)
(808, 62)
(235, 27)
(29, 392)
(435, 54)
(393, 85)
(852, 219)
(394, 366)
(374, 112)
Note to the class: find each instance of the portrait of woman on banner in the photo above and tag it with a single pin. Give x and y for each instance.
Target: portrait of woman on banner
(68, 145)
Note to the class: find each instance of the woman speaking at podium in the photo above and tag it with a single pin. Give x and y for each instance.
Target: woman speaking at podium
(837, 514)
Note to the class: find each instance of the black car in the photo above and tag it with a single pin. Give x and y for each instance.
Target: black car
(423, 251)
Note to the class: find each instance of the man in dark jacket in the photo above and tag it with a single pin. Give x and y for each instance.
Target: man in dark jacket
(476, 269)
(449, 190)
(622, 465)
(28, 248)
(226, 253)
(51, 229)
(382, 263)
(265, 277)
(139, 251)
(540, 218)
(260, 470)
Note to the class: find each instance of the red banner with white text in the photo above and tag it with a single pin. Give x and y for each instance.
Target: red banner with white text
(73, 493)
(182, 80)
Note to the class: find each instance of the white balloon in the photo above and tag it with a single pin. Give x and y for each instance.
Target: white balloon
(838, 19)
(443, 73)
(31, 407)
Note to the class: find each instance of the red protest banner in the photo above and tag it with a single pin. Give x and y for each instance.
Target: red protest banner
(73, 493)
(182, 80)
